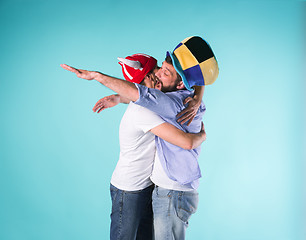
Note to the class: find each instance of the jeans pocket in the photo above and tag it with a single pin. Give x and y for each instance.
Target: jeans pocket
(113, 193)
(187, 205)
(162, 192)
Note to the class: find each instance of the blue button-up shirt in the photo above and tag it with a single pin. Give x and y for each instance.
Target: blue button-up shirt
(179, 164)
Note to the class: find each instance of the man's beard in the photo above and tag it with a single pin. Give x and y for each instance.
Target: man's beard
(168, 89)
(159, 85)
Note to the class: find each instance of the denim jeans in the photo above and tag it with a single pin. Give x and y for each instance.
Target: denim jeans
(132, 215)
(172, 210)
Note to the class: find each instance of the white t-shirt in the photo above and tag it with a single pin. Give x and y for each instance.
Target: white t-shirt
(137, 149)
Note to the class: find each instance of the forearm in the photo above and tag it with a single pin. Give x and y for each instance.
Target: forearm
(123, 99)
(125, 89)
(189, 113)
(195, 139)
(175, 136)
(189, 141)
(198, 93)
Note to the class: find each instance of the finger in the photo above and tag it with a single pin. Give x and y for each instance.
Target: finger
(185, 114)
(75, 70)
(101, 109)
(187, 110)
(203, 129)
(185, 117)
(65, 66)
(188, 119)
(101, 105)
(182, 113)
(191, 119)
(96, 106)
(69, 68)
(187, 100)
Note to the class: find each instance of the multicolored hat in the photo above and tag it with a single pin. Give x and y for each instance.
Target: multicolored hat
(195, 61)
(137, 66)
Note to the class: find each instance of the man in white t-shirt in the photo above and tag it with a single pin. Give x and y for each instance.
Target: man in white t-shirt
(131, 187)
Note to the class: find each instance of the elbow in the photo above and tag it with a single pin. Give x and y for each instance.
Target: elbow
(189, 145)
(134, 96)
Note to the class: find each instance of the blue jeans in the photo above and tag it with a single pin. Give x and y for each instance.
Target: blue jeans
(132, 215)
(172, 210)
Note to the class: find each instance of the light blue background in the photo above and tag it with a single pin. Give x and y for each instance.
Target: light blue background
(57, 156)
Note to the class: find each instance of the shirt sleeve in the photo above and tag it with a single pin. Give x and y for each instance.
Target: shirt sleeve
(146, 119)
(158, 102)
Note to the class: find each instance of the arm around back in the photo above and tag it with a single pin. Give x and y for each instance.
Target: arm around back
(175, 136)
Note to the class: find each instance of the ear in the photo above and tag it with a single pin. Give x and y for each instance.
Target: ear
(180, 85)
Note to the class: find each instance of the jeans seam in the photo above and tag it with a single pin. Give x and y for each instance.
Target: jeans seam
(120, 214)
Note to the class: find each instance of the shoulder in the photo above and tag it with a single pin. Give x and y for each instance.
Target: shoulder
(142, 112)
(179, 95)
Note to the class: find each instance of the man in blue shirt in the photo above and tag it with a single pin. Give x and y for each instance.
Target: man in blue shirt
(176, 171)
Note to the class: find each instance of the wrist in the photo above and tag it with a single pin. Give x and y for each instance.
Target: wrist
(198, 92)
(98, 76)
(197, 99)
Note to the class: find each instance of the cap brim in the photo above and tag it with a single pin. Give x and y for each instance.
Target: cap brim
(178, 68)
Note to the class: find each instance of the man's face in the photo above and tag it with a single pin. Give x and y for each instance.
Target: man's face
(150, 79)
(166, 78)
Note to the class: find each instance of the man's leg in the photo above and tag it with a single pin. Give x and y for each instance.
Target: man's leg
(172, 210)
(145, 228)
(128, 209)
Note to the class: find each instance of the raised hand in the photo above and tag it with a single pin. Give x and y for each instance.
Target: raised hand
(106, 102)
(88, 75)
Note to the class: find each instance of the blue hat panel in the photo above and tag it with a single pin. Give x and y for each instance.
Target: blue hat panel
(180, 44)
(194, 76)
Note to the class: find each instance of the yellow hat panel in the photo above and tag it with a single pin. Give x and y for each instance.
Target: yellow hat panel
(186, 39)
(185, 57)
(210, 70)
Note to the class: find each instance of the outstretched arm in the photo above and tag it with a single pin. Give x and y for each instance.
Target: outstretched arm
(108, 102)
(123, 88)
(173, 135)
(188, 114)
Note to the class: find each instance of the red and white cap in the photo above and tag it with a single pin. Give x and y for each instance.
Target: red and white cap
(137, 66)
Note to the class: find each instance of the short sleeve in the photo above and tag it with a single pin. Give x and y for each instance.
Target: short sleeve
(145, 119)
(159, 102)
